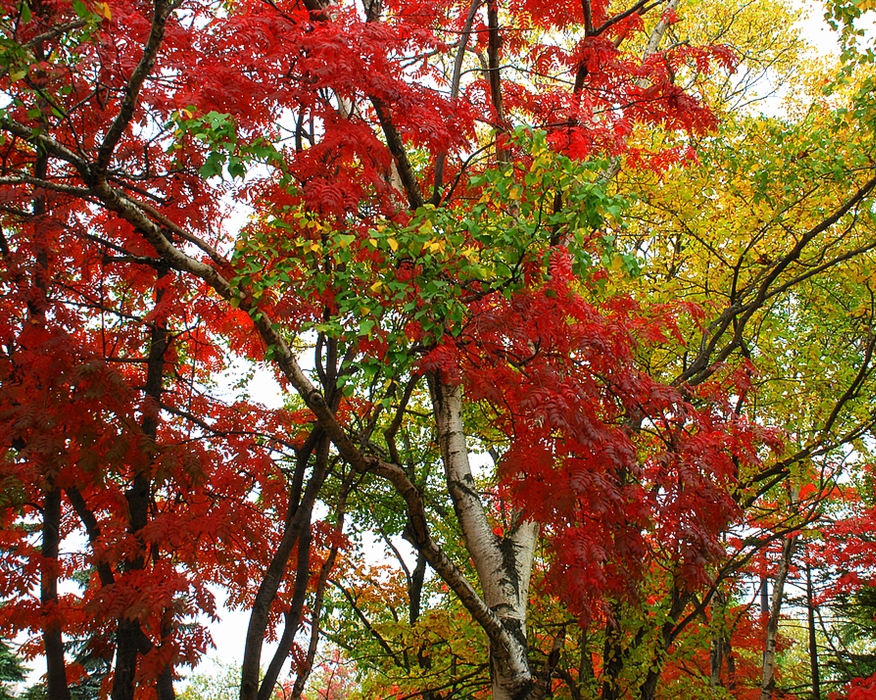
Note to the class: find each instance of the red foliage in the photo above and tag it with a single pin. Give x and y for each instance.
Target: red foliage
(107, 347)
(860, 689)
(615, 465)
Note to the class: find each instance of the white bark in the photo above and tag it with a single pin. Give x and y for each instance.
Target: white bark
(659, 31)
(503, 564)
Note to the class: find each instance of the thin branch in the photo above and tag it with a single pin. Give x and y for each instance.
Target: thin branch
(454, 92)
(46, 143)
(639, 8)
(135, 84)
(53, 32)
(366, 623)
(397, 148)
(738, 315)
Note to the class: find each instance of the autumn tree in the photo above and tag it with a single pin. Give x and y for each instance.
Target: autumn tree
(433, 264)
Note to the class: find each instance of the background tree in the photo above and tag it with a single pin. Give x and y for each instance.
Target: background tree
(12, 671)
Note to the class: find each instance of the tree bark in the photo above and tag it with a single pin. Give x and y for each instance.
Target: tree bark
(764, 596)
(768, 682)
(130, 639)
(813, 646)
(494, 43)
(297, 517)
(717, 650)
(53, 643)
(503, 564)
(319, 596)
(56, 673)
(668, 633)
(613, 662)
(295, 612)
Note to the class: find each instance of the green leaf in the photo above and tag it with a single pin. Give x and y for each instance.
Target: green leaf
(236, 167)
(366, 325)
(213, 165)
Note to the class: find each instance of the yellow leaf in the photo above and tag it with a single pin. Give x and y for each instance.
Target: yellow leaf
(393, 244)
(103, 8)
(377, 286)
(435, 245)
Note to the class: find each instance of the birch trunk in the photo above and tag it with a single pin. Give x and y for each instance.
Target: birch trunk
(503, 564)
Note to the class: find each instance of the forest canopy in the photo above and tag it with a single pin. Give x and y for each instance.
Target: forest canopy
(572, 309)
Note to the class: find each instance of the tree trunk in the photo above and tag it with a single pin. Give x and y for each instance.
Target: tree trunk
(716, 661)
(731, 669)
(304, 670)
(503, 564)
(613, 662)
(720, 648)
(813, 646)
(764, 596)
(56, 674)
(297, 518)
(668, 633)
(131, 641)
(53, 643)
(768, 682)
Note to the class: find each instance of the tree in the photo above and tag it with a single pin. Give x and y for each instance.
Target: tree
(222, 682)
(11, 671)
(448, 268)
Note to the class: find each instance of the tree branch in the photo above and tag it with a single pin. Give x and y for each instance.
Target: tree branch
(161, 13)
(397, 148)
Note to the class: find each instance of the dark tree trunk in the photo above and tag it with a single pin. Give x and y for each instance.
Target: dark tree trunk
(56, 674)
(613, 663)
(297, 520)
(130, 638)
(813, 646)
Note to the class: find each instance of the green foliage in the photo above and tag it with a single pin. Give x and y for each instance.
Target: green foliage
(844, 16)
(225, 151)
(221, 684)
(716, 233)
(20, 61)
(396, 287)
(440, 651)
(854, 647)
(11, 671)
